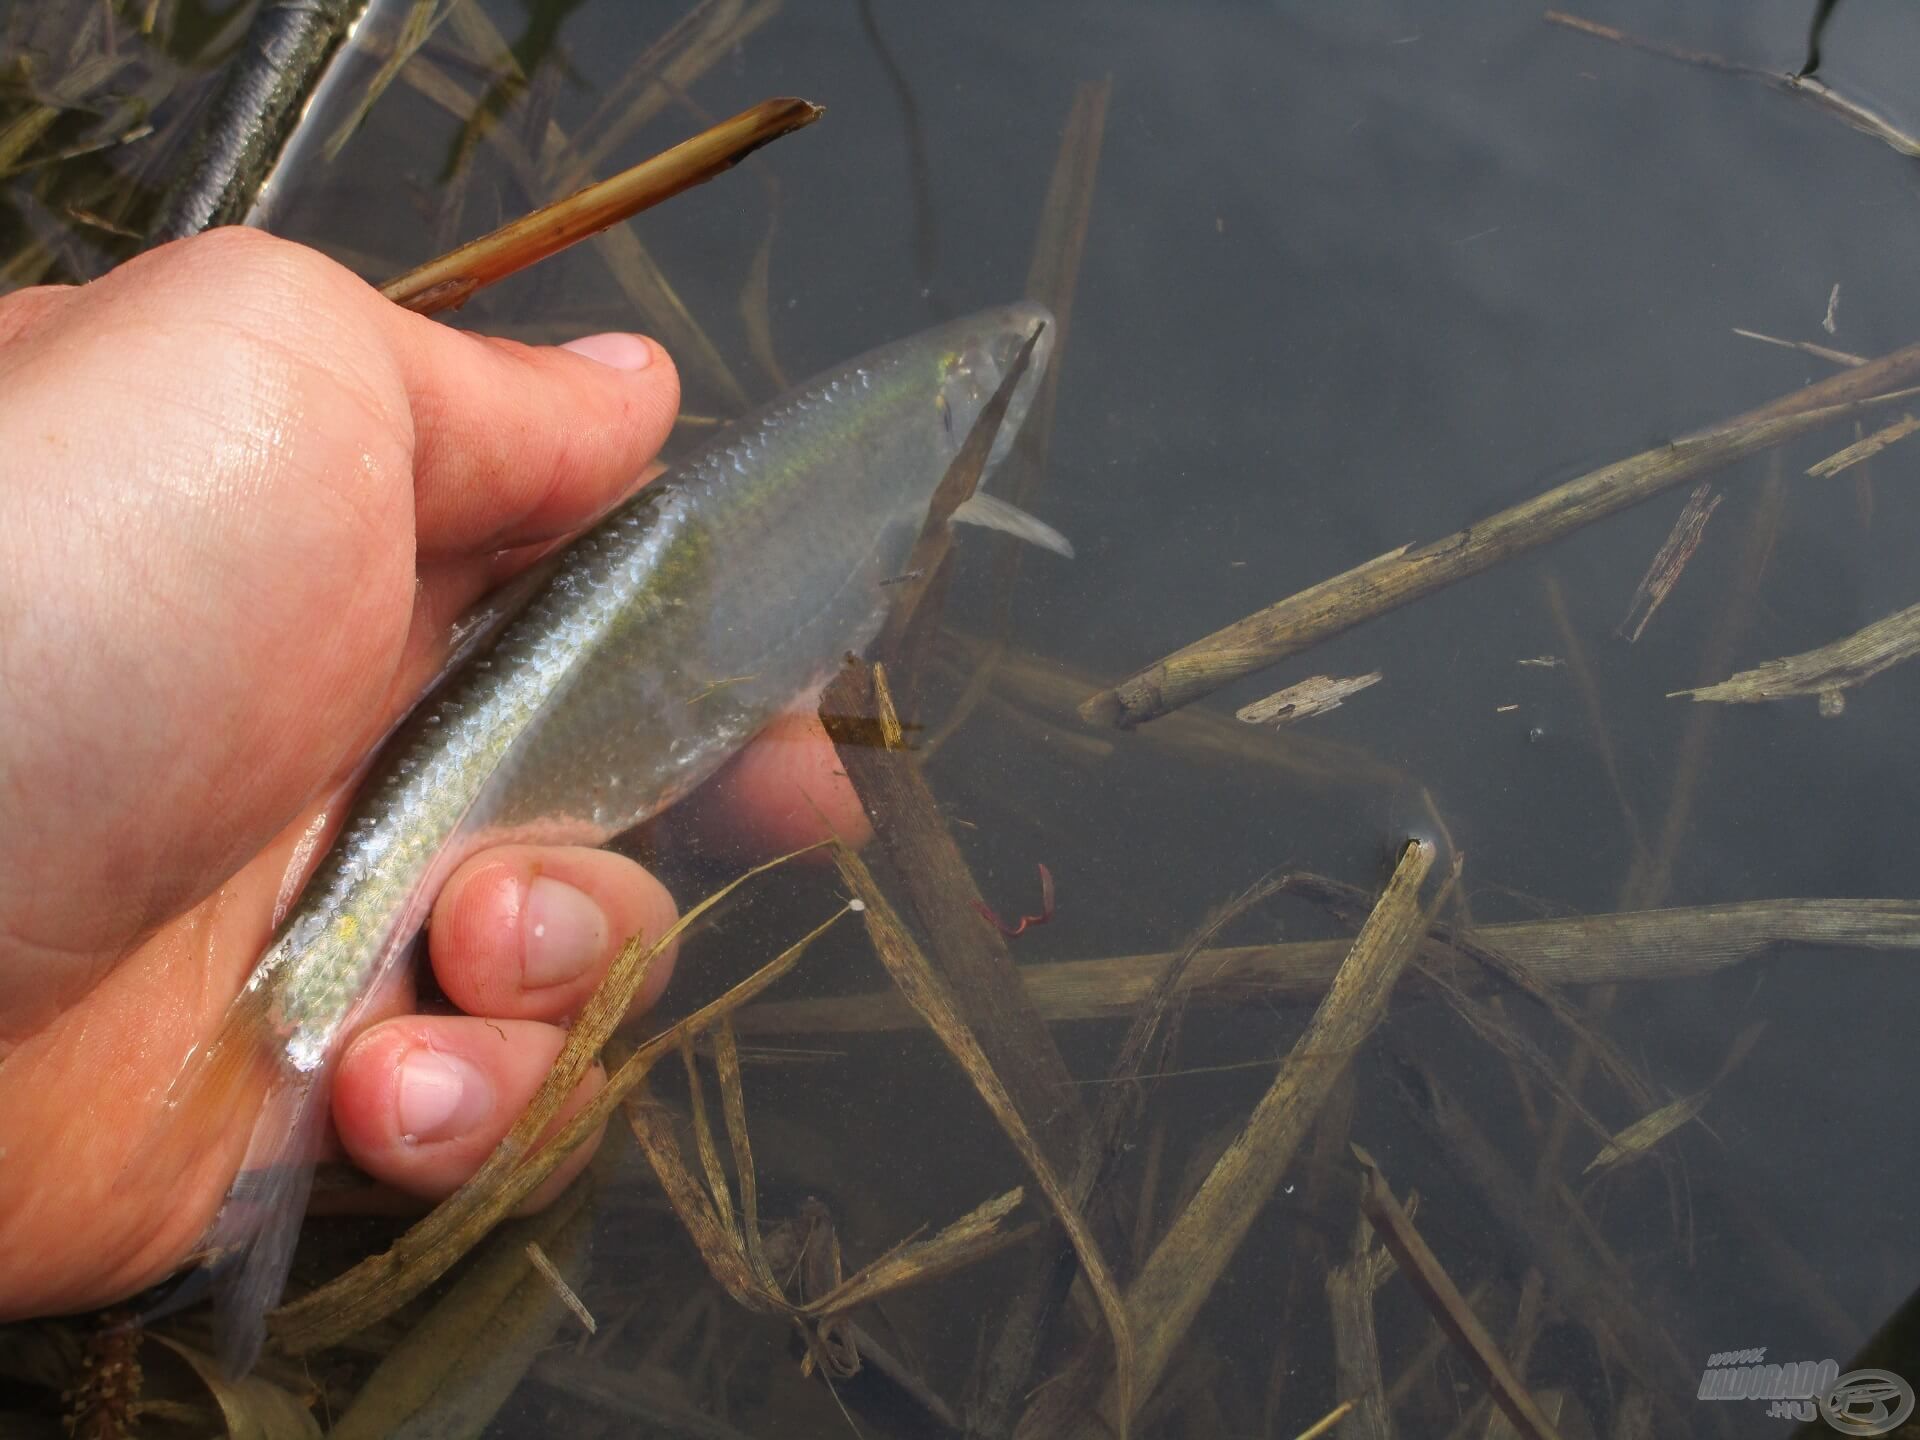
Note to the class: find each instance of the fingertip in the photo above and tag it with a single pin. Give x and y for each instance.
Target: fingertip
(419, 1102)
(528, 931)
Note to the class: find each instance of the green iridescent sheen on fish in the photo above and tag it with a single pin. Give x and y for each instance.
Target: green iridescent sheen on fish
(759, 562)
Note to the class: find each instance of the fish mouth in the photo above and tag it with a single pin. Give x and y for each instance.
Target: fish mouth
(1017, 322)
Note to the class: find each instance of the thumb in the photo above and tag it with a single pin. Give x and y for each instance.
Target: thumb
(516, 444)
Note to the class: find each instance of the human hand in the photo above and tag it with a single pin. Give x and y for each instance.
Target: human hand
(242, 497)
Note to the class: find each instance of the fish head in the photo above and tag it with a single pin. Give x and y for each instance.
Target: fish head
(984, 350)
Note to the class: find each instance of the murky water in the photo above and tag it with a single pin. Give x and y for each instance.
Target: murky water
(1353, 278)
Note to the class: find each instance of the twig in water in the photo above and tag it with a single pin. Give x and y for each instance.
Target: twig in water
(1446, 1304)
(1324, 1425)
(1664, 573)
(1868, 122)
(1828, 671)
(1313, 696)
(1838, 357)
(1864, 449)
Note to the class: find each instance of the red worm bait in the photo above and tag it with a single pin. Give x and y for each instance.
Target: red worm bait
(1046, 909)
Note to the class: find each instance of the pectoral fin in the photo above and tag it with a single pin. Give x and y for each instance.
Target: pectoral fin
(992, 513)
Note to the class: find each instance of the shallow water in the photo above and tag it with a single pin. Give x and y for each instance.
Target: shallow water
(1353, 278)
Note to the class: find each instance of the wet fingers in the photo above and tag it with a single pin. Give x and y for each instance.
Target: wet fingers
(421, 1101)
(527, 932)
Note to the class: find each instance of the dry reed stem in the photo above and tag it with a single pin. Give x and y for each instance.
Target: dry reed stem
(1054, 689)
(1629, 946)
(1822, 352)
(450, 280)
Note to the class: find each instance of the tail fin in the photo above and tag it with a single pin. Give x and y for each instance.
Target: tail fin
(242, 1071)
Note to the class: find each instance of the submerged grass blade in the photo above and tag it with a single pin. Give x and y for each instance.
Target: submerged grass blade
(709, 33)
(719, 1195)
(422, 19)
(726, 1056)
(940, 892)
(460, 1363)
(251, 1407)
(1649, 1130)
(693, 1203)
(1622, 1314)
(972, 1237)
(928, 995)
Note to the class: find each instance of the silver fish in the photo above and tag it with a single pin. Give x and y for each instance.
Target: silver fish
(762, 560)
